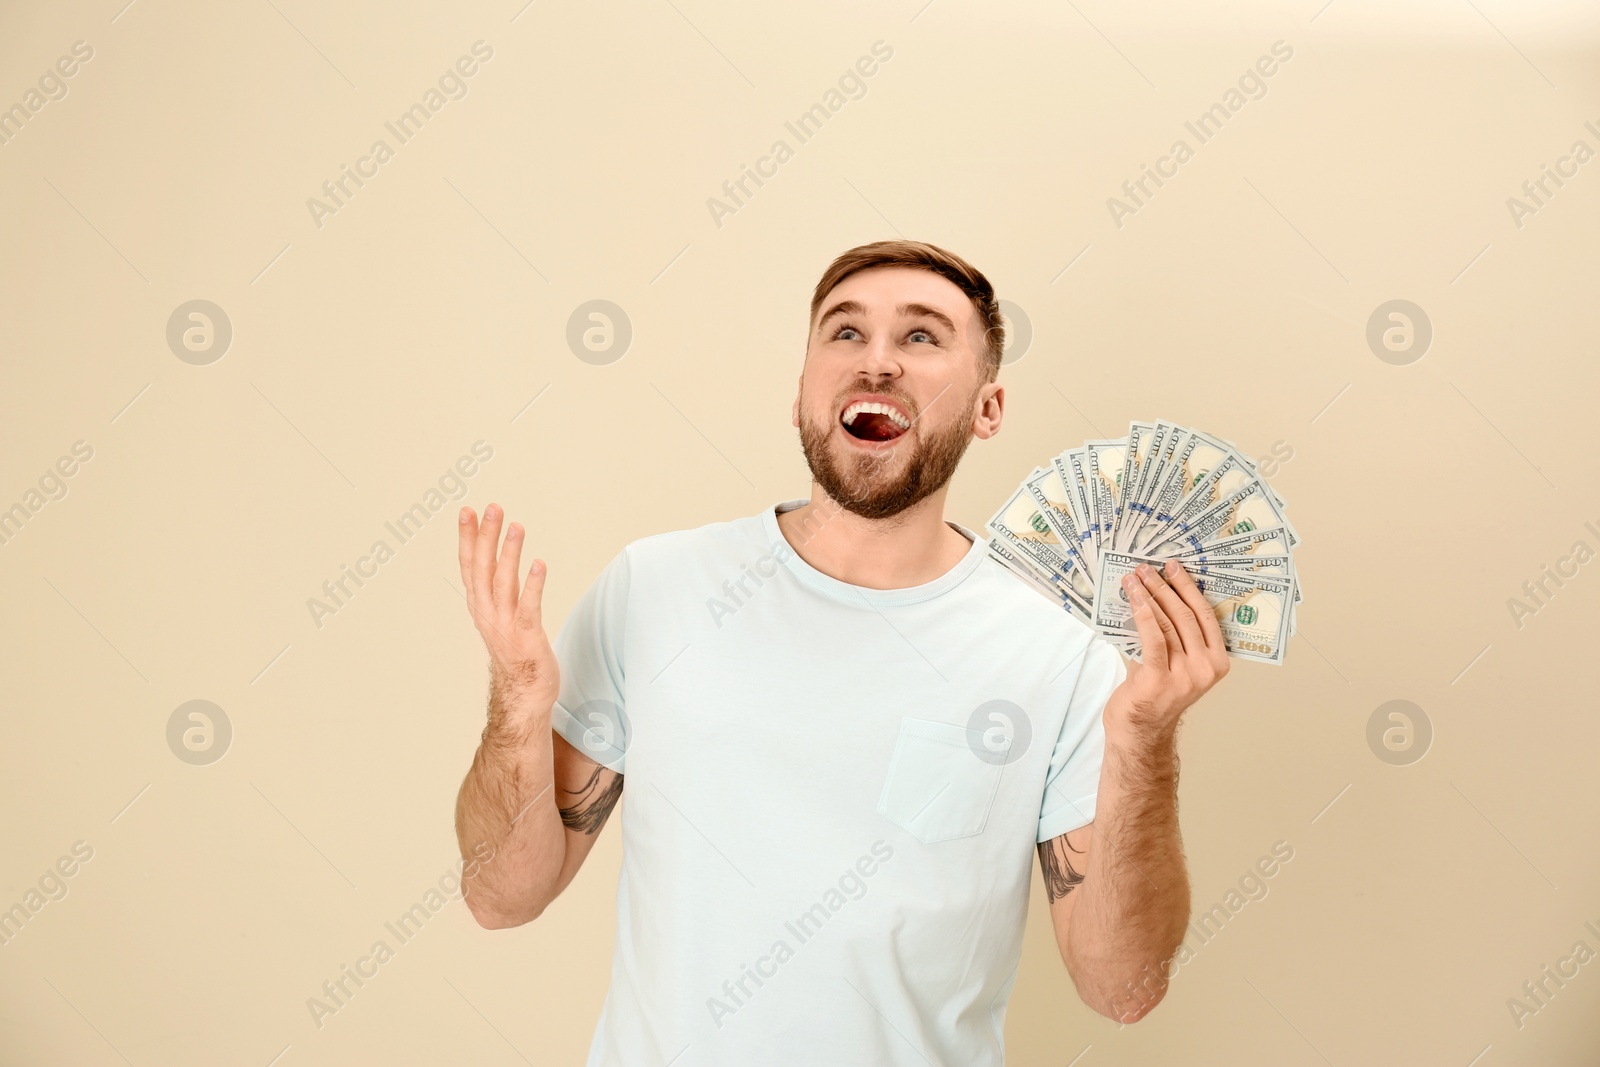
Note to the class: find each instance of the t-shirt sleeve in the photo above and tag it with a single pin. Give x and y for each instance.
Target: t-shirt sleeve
(591, 709)
(1073, 780)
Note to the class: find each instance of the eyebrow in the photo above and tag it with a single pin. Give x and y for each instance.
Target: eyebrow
(854, 307)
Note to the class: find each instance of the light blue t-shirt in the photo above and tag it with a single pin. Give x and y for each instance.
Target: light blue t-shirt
(831, 796)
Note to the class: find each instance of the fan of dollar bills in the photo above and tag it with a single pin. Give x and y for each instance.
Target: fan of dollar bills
(1074, 528)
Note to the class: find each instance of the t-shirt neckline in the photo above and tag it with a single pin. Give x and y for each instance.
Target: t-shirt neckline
(859, 595)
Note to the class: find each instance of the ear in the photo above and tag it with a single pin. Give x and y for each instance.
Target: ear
(987, 410)
(794, 411)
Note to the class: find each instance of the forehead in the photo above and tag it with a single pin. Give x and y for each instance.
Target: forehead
(881, 290)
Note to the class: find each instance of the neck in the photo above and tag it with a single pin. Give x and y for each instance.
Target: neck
(911, 548)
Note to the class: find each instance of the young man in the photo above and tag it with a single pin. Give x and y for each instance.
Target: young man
(843, 729)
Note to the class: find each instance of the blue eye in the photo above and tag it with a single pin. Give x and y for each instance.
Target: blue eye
(931, 339)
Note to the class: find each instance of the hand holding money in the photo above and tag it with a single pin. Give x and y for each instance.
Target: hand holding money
(1075, 529)
(1184, 653)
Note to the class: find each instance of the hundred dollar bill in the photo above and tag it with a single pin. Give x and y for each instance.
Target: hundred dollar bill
(1246, 508)
(1279, 504)
(1103, 467)
(1019, 523)
(1135, 453)
(1044, 488)
(1143, 458)
(1249, 462)
(1051, 583)
(1164, 491)
(1053, 587)
(1277, 566)
(1113, 611)
(1077, 498)
(1235, 550)
(1206, 470)
(1252, 610)
(1164, 444)
(1192, 459)
(1073, 466)
(1226, 475)
(1255, 612)
(1269, 540)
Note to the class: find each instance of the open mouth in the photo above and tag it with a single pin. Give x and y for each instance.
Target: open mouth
(867, 420)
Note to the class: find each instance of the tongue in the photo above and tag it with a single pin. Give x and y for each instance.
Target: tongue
(874, 427)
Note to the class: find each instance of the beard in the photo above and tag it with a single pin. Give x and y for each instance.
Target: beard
(864, 483)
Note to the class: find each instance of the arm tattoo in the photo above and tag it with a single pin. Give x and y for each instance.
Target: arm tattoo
(594, 803)
(1059, 876)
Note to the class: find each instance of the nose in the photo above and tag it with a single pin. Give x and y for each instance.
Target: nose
(879, 358)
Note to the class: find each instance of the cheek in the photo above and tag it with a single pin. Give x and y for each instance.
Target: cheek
(815, 398)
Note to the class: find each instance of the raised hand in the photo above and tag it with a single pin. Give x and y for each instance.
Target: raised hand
(512, 625)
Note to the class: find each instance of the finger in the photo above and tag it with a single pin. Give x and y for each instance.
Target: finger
(465, 550)
(1151, 640)
(1184, 583)
(506, 571)
(530, 609)
(1169, 633)
(1177, 611)
(487, 549)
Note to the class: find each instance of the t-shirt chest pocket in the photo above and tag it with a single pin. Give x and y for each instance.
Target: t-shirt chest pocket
(938, 787)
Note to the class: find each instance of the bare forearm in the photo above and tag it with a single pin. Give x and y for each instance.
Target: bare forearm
(507, 800)
(1134, 905)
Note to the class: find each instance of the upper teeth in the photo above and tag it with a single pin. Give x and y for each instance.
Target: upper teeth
(864, 408)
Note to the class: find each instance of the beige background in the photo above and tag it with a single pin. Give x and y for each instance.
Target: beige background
(369, 353)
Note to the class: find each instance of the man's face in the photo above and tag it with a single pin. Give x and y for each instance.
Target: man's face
(893, 389)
